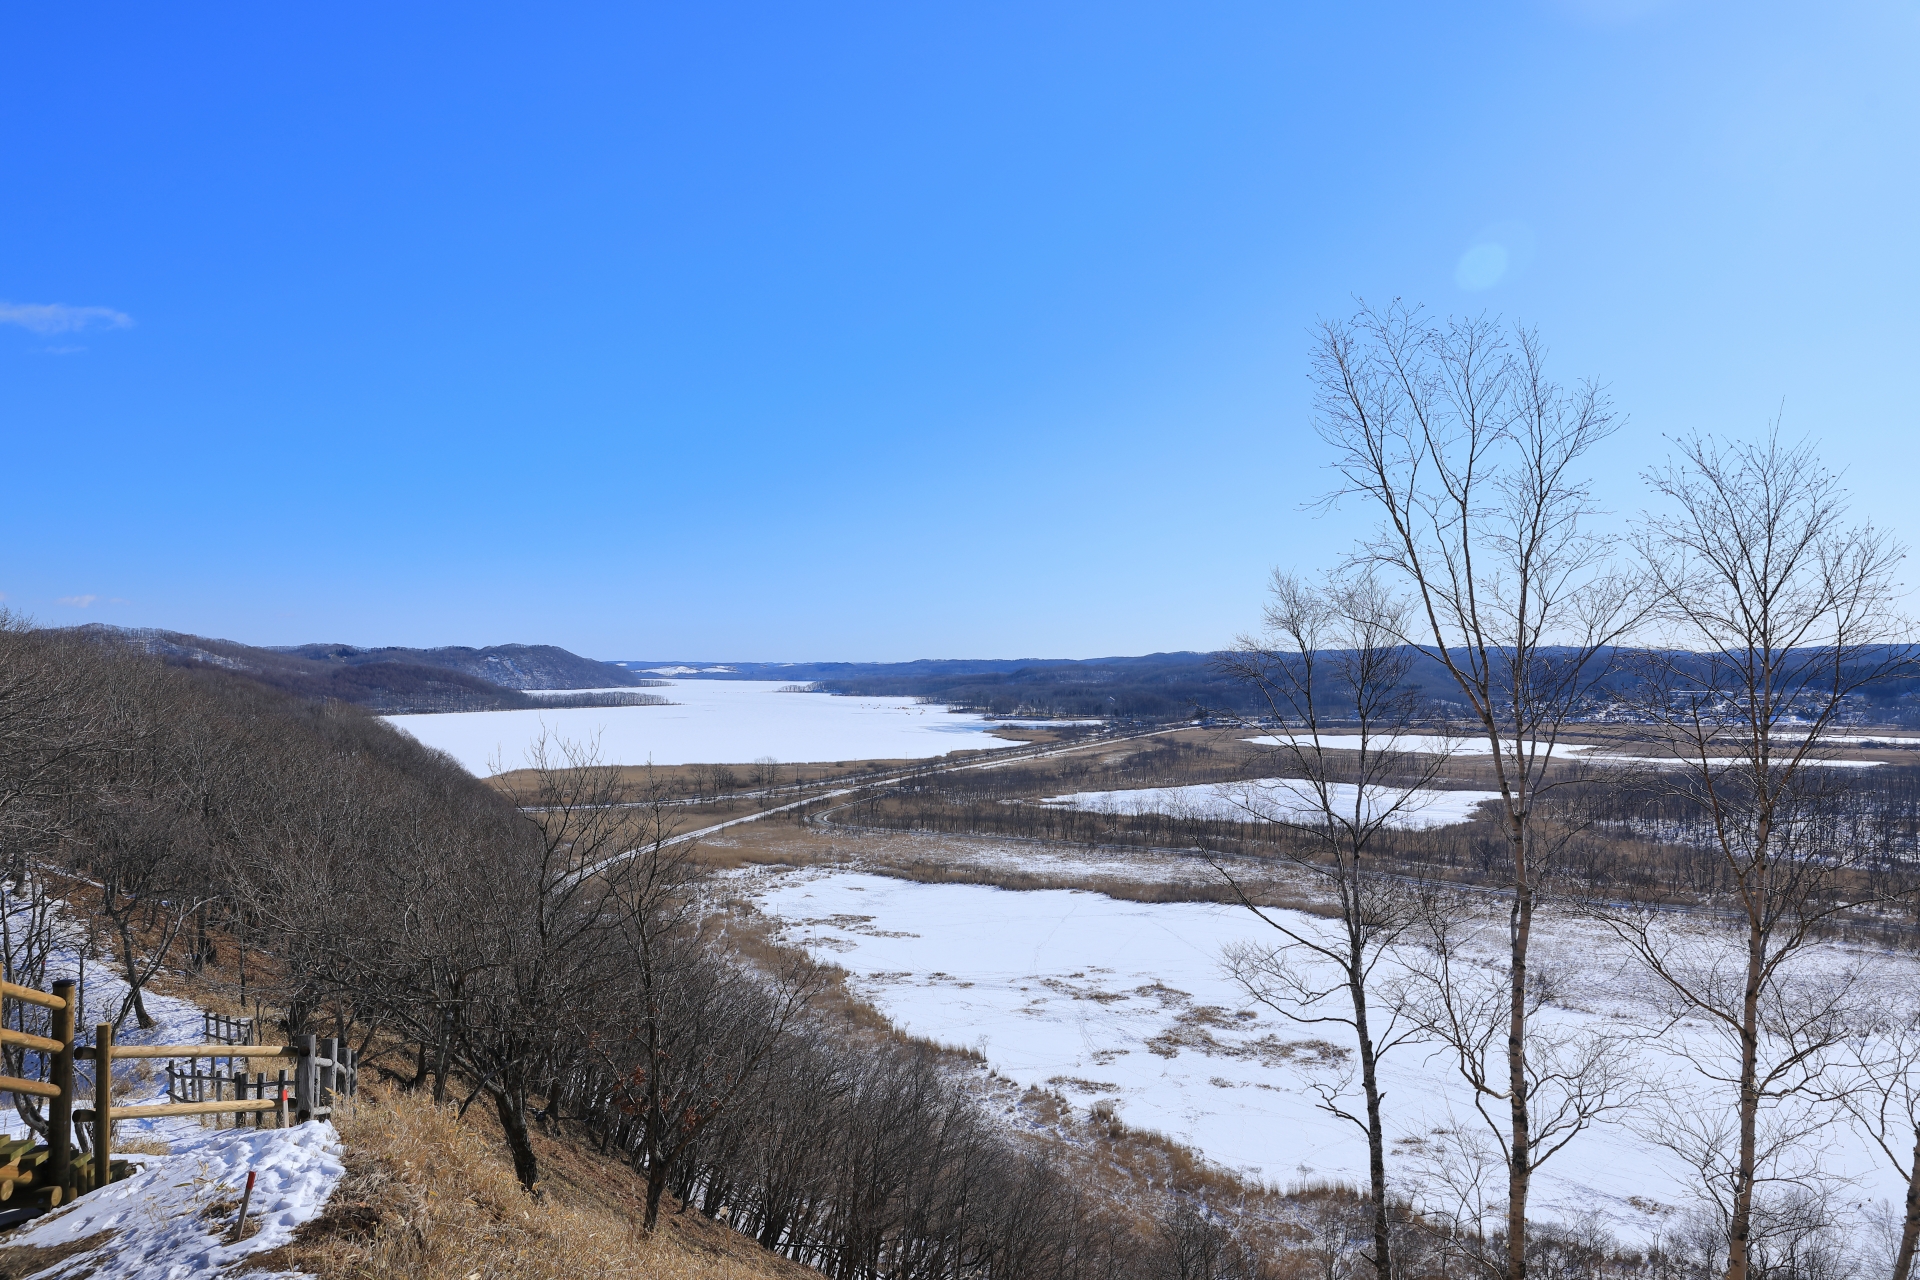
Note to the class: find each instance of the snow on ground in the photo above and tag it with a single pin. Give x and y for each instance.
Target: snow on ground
(169, 1221)
(1434, 744)
(1106, 999)
(1428, 743)
(713, 721)
(1279, 800)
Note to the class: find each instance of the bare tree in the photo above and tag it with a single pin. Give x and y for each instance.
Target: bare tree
(1335, 652)
(1884, 1101)
(1475, 461)
(1777, 613)
(1575, 1074)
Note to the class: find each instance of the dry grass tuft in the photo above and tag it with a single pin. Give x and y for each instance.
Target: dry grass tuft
(428, 1196)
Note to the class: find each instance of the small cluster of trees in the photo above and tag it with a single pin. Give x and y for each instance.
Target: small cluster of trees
(1758, 613)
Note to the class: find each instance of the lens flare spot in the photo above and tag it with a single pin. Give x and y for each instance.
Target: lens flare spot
(1481, 267)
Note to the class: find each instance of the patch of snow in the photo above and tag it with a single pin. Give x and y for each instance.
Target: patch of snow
(687, 671)
(170, 1220)
(713, 721)
(1426, 743)
(1280, 800)
(1435, 744)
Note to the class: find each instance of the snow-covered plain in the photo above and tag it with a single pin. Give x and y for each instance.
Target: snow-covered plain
(1127, 1002)
(1279, 800)
(1434, 744)
(712, 722)
(1425, 743)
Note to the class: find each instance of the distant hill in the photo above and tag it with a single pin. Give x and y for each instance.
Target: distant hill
(389, 680)
(511, 666)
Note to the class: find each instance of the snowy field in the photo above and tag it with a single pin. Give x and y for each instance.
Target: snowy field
(712, 722)
(1427, 743)
(1434, 744)
(1279, 800)
(1104, 999)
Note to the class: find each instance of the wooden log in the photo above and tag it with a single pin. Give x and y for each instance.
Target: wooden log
(31, 996)
(37, 1088)
(103, 1104)
(304, 1099)
(44, 1044)
(148, 1110)
(331, 1081)
(60, 1114)
(121, 1052)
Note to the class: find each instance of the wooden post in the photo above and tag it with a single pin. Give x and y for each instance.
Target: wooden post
(102, 1105)
(60, 1112)
(332, 1080)
(303, 1080)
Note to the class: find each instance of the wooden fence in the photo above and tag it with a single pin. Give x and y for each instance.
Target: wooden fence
(319, 1073)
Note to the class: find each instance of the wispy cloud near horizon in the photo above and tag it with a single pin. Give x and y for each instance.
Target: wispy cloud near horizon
(58, 317)
(77, 602)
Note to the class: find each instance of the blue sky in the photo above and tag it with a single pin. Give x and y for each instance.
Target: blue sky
(878, 332)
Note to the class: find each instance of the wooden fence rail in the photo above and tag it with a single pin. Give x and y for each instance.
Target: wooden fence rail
(323, 1073)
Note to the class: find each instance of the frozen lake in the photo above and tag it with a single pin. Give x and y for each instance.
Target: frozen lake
(1105, 999)
(712, 722)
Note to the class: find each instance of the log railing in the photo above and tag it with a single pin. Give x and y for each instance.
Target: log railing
(321, 1074)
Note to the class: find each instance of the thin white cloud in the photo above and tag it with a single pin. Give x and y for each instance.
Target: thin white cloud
(58, 317)
(77, 602)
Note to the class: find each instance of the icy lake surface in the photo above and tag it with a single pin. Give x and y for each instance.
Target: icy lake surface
(1102, 998)
(712, 722)
(1280, 800)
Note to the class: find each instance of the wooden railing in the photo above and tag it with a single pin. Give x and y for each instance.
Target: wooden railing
(321, 1074)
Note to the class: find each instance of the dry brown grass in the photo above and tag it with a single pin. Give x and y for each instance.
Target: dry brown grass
(428, 1196)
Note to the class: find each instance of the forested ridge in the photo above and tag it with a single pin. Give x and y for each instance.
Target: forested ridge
(398, 680)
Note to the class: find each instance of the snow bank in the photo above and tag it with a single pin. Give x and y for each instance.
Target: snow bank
(713, 721)
(170, 1221)
(1279, 800)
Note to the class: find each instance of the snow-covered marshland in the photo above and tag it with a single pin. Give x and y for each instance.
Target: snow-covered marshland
(1126, 1002)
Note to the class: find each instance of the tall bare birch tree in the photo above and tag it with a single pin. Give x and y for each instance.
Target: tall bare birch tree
(1777, 612)
(1334, 654)
(1476, 463)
